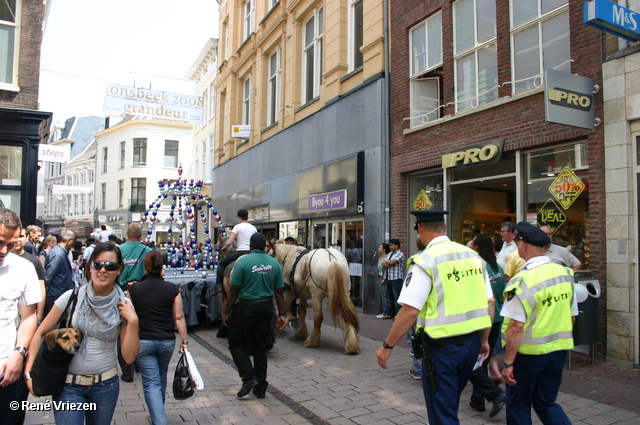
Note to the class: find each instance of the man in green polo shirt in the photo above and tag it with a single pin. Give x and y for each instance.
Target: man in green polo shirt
(256, 278)
(133, 253)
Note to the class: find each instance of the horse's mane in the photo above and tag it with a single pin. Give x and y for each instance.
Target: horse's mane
(285, 252)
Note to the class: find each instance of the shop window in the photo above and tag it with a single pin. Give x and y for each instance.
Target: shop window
(10, 165)
(476, 56)
(540, 39)
(425, 193)
(557, 195)
(481, 199)
(425, 45)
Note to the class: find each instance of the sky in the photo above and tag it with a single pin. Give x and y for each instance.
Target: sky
(89, 43)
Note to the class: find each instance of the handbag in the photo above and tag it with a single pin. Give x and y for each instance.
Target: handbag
(49, 370)
(182, 382)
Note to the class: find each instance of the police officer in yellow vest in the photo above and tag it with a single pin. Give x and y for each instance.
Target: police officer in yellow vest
(537, 331)
(448, 292)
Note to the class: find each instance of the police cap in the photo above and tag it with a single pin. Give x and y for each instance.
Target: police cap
(530, 234)
(423, 216)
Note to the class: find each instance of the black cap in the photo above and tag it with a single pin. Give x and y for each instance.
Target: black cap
(258, 241)
(423, 216)
(243, 214)
(528, 233)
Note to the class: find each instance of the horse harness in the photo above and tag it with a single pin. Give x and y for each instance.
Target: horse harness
(291, 287)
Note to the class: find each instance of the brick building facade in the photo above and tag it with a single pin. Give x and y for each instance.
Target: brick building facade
(22, 127)
(482, 90)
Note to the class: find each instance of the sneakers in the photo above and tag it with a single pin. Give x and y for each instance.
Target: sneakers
(498, 404)
(382, 316)
(415, 376)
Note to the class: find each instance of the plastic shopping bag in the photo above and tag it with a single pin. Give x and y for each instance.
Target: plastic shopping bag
(195, 375)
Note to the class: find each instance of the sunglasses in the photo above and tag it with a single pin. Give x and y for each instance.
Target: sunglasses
(109, 266)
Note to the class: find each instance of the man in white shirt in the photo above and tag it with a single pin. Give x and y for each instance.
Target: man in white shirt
(241, 233)
(509, 245)
(19, 293)
(104, 234)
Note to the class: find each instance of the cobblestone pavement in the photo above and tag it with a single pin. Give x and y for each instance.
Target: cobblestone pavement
(324, 386)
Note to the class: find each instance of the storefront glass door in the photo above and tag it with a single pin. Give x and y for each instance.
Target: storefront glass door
(345, 236)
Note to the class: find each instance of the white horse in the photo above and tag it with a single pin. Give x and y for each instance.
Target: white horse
(318, 274)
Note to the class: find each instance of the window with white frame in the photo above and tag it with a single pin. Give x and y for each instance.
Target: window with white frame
(90, 176)
(203, 159)
(105, 155)
(273, 95)
(140, 151)
(76, 205)
(246, 102)
(356, 34)
(9, 38)
(539, 40)
(123, 146)
(224, 47)
(69, 181)
(138, 193)
(171, 153)
(248, 18)
(475, 53)
(83, 204)
(425, 45)
(103, 201)
(312, 56)
(120, 193)
(212, 101)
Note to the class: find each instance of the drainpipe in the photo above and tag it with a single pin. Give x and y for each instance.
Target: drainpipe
(386, 151)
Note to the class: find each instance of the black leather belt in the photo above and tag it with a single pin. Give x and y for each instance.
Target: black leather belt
(257, 300)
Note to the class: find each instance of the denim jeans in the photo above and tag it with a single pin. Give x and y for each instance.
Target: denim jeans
(103, 394)
(394, 287)
(153, 361)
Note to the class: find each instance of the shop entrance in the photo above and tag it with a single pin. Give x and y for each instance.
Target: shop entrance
(481, 202)
(346, 236)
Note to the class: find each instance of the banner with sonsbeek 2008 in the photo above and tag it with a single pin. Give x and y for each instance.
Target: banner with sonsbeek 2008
(154, 104)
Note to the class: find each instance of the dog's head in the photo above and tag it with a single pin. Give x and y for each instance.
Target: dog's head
(69, 339)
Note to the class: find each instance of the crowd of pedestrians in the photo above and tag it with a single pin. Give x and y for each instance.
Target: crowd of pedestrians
(456, 301)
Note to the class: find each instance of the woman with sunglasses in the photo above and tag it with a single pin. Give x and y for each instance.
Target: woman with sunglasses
(159, 306)
(103, 314)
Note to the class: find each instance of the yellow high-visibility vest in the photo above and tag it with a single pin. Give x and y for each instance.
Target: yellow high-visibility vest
(546, 293)
(457, 303)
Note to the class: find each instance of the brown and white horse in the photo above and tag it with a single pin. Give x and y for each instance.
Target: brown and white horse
(318, 274)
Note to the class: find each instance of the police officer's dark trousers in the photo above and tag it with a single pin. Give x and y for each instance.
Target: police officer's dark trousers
(250, 322)
(537, 383)
(453, 359)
